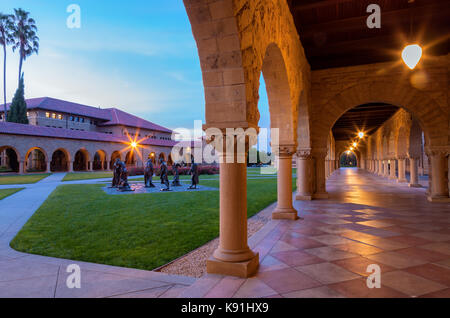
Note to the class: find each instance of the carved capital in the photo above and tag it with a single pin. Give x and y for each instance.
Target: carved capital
(286, 150)
(437, 151)
(304, 153)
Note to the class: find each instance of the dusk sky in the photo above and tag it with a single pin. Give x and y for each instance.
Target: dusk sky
(139, 56)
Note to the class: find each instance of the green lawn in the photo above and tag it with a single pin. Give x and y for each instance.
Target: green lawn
(24, 179)
(7, 192)
(145, 231)
(87, 175)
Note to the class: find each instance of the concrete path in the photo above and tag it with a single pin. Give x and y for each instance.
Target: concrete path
(26, 275)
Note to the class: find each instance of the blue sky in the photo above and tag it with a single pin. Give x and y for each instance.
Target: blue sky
(136, 55)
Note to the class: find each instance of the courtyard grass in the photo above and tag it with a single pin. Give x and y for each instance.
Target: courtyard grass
(145, 231)
(7, 192)
(75, 176)
(22, 179)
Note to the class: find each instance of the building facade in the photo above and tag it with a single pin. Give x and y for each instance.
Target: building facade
(65, 136)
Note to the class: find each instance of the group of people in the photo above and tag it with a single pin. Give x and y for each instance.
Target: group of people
(120, 178)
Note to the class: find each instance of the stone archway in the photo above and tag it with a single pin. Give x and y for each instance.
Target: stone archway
(421, 105)
(60, 161)
(11, 161)
(81, 160)
(114, 156)
(100, 160)
(36, 160)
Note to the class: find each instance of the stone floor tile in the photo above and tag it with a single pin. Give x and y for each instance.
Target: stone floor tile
(410, 284)
(287, 280)
(358, 248)
(329, 253)
(327, 273)
(359, 265)
(330, 239)
(254, 288)
(297, 258)
(436, 273)
(423, 254)
(357, 288)
(318, 292)
(433, 236)
(395, 259)
(440, 247)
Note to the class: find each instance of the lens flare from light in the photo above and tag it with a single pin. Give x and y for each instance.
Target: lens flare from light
(134, 144)
(355, 144)
(361, 135)
(351, 148)
(411, 55)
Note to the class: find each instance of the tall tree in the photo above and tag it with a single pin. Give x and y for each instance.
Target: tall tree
(6, 38)
(25, 38)
(18, 109)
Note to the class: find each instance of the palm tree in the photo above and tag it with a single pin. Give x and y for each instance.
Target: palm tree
(25, 38)
(6, 38)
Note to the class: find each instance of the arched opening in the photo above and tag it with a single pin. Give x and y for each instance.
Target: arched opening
(161, 156)
(169, 160)
(130, 158)
(348, 159)
(100, 162)
(9, 159)
(81, 160)
(60, 161)
(114, 156)
(35, 160)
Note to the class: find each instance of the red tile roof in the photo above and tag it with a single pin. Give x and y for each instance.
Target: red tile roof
(39, 131)
(110, 116)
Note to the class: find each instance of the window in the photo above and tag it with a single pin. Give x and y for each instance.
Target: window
(60, 117)
(82, 120)
(28, 114)
(77, 119)
(47, 115)
(53, 115)
(72, 118)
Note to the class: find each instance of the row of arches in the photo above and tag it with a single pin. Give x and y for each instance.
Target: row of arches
(36, 159)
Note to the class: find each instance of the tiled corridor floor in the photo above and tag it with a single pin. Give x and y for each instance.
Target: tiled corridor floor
(367, 220)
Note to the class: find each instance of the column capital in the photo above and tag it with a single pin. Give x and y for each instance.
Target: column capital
(319, 152)
(286, 150)
(437, 151)
(304, 153)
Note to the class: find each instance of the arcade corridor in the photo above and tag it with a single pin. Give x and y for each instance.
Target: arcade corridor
(366, 220)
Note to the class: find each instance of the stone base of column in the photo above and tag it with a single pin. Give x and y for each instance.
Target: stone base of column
(414, 185)
(320, 196)
(301, 197)
(392, 177)
(284, 214)
(402, 180)
(438, 199)
(240, 269)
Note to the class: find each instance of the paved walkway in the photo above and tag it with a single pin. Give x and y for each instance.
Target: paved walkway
(26, 275)
(367, 220)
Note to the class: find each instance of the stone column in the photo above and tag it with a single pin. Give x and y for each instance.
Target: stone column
(233, 256)
(402, 170)
(70, 166)
(284, 209)
(392, 169)
(414, 175)
(385, 169)
(304, 174)
(319, 167)
(380, 167)
(21, 167)
(439, 184)
(47, 170)
(90, 166)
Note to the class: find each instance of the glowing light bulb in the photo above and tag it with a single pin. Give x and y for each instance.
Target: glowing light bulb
(411, 55)
(351, 148)
(355, 144)
(133, 144)
(348, 152)
(361, 135)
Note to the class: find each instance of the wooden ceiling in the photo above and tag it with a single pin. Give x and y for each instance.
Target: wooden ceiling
(366, 118)
(334, 33)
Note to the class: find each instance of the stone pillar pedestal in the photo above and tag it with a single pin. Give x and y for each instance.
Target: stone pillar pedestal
(414, 175)
(284, 209)
(439, 184)
(304, 175)
(319, 166)
(233, 256)
(392, 169)
(402, 170)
